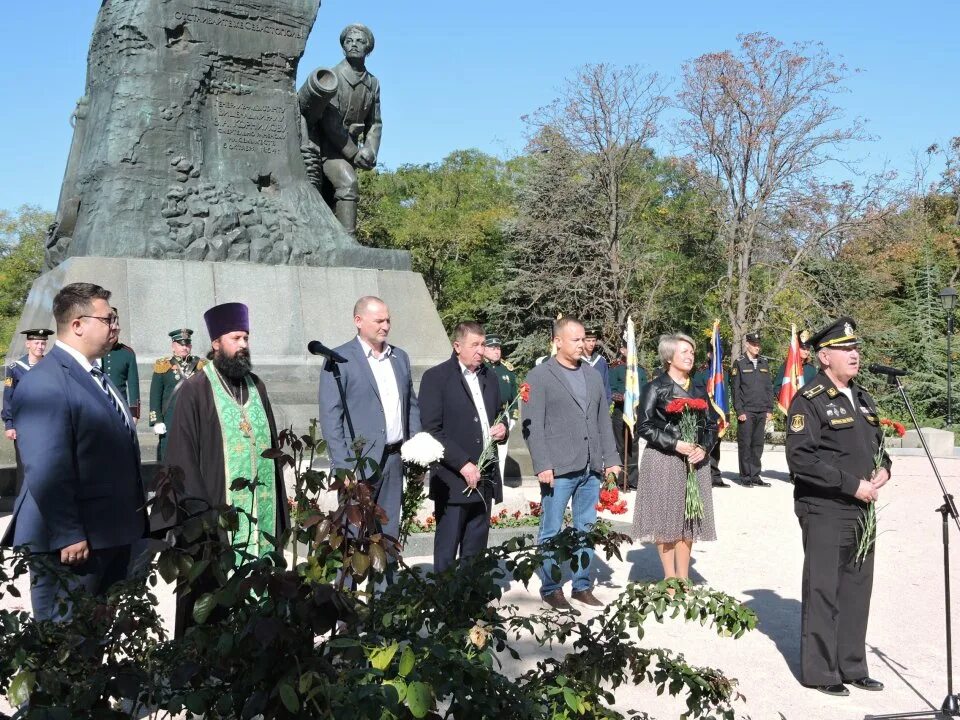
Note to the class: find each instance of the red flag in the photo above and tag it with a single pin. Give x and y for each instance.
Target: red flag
(792, 373)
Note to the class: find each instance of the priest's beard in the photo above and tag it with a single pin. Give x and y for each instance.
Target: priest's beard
(234, 367)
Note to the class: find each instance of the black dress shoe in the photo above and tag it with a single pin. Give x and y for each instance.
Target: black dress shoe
(720, 483)
(760, 483)
(866, 683)
(837, 690)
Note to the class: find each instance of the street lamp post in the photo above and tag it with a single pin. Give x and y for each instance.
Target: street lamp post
(948, 297)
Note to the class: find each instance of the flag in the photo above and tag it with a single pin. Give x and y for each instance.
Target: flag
(716, 387)
(631, 392)
(792, 373)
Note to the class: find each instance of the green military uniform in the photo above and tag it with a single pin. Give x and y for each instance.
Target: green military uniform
(168, 375)
(509, 387)
(120, 365)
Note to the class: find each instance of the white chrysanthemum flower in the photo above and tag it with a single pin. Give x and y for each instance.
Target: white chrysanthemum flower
(422, 449)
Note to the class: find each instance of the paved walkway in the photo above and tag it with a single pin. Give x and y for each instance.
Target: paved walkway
(758, 559)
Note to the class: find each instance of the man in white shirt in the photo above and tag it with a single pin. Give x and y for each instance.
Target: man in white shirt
(459, 404)
(379, 400)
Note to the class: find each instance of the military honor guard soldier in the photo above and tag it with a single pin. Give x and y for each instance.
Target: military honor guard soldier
(120, 365)
(751, 390)
(168, 376)
(833, 437)
(509, 387)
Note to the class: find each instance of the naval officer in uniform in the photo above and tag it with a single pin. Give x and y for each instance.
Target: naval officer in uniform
(168, 376)
(833, 437)
(751, 391)
(36, 348)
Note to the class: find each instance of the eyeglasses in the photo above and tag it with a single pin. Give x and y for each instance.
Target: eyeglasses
(109, 320)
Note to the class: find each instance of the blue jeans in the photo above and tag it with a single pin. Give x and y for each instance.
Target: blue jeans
(583, 488)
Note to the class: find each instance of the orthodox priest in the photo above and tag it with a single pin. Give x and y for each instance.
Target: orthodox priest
(222, 424)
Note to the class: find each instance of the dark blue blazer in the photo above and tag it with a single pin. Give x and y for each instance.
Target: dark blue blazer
(81, 464)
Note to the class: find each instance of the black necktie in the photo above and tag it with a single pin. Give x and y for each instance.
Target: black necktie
(102, 380)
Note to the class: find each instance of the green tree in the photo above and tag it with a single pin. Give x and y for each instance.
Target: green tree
(22, 236)
(450, 217)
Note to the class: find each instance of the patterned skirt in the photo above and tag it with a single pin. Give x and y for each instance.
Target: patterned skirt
(658, 512)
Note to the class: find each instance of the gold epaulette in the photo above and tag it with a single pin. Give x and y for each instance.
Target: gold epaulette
(201, 362)
(162, 365)
(508, 366)
(813, 392)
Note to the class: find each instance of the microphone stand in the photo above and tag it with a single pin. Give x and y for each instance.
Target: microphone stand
(333, 367)
(951, 704)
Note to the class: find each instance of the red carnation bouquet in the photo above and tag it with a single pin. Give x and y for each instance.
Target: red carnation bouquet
(690, 411)
(610, 498)
(868, 523)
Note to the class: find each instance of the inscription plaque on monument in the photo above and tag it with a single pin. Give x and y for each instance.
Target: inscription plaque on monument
(187, 141)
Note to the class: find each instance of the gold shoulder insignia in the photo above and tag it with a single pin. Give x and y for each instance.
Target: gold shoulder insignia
(797, 422)
(832, 393)
(813, 392)
(508, 366)
(162, 365)
(733, 370)
(8, 381)
(201, 363)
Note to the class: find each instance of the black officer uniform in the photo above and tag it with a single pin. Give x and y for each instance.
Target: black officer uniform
(751, 391)
(831, 446)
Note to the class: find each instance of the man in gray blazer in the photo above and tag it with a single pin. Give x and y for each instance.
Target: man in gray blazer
(378, 385)
(566, 424)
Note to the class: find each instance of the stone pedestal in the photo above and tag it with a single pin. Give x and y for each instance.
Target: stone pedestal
(289, 306)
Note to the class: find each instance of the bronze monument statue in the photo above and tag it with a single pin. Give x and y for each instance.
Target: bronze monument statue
(187, 141)
(344, 135)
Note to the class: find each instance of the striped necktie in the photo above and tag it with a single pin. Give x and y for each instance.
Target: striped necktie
(102, 380)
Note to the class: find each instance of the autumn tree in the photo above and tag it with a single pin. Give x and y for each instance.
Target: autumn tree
(602, 124)
(763, 125)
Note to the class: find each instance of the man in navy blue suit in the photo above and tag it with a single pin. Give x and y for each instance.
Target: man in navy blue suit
(82, 501)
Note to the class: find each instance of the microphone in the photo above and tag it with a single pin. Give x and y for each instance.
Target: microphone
(887, 370)
(315, 347)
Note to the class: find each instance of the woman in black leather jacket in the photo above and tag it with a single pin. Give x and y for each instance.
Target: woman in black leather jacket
(659, 510)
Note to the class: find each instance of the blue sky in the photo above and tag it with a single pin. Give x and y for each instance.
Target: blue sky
(458, 74)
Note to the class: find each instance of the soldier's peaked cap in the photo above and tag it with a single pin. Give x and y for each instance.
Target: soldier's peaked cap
(492, 340)
(841, 333)
(184, 336)
(37, 333)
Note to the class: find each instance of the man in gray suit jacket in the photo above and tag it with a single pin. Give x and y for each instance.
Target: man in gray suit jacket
(378, 385)
(566, 423)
